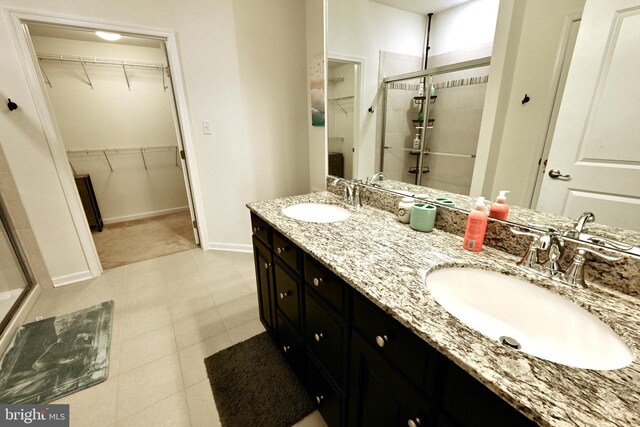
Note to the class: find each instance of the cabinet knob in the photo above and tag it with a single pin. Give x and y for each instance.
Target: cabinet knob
(381, 340)
(319, 399)
(414, 423)
(266, 265)
(281, 250)
(318, 336)
(317, 281)
(286, 348)
(256, 229)
(284, 294)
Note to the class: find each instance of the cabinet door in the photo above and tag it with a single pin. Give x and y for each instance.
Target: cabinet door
(381, 395)
(264, 281)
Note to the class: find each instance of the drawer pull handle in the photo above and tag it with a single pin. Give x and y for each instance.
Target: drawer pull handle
(284, 294)
(286, 348)
(281, 250)
(256, 229)
(317, 281)
(318, 336)
(412, 423)
(319, 399)
(381, 340)
(266, 265)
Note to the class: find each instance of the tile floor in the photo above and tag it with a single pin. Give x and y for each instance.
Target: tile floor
(170, 313)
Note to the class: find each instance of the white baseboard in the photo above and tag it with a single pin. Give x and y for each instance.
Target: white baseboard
(19, 317)
(144, 215)
(231, 247)
(71, 278)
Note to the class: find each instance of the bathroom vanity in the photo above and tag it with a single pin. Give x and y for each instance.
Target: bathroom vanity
(347, 305)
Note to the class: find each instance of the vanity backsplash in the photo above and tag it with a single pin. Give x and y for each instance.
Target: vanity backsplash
(622, 276)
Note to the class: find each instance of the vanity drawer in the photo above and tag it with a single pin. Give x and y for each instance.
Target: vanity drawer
(326, 284)
(261, 229)
(292, 346)
(408, 353)
(327, 337)
(287, 251)
(288, 299)
(329, 401)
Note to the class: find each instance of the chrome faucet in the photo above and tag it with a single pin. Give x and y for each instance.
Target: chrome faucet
(380, 175)
(575, 232)
(351, 193)
(551, 240)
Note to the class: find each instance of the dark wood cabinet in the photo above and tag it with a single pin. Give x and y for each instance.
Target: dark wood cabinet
(382, 396)
(89, 201)
(360, 366)
(266, 304)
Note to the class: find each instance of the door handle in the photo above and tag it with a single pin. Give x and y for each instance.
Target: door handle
(556, 174)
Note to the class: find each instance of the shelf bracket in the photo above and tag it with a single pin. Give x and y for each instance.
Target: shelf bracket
(86, 74)
(164, 84)
(143, 159)
(104, 152)
(46, 78)
(124, 69)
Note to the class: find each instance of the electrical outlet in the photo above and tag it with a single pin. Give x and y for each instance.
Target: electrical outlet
(206, 127)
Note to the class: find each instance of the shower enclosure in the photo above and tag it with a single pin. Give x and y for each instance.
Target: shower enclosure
(16, 278)
(432, 123)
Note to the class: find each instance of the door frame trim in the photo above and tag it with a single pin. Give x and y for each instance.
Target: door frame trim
(27, 57)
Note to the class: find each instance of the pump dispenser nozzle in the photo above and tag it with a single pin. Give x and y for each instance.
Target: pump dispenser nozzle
(502, 196)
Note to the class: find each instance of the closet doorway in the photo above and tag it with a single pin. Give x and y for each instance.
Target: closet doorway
(112, 98)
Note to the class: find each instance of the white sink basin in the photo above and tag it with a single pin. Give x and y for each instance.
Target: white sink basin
(316, 212)
(544, 324)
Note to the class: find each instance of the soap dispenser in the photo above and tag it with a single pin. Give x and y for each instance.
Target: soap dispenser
(476, 227)
(500, 209)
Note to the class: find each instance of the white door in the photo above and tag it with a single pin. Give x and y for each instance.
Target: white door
(595, 153)
(183, 161)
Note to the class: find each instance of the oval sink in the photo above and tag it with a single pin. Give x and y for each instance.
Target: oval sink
(518, 313)
(316, 212)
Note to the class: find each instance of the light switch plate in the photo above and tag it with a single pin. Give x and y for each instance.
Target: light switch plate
(206, 127)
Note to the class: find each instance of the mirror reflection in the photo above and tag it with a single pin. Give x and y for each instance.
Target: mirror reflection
(541, 121)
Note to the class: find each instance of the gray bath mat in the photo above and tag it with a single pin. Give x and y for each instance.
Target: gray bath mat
(253, 385)
(57, 356)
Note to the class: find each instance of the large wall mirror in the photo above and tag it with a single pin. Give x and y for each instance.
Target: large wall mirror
(553, 119)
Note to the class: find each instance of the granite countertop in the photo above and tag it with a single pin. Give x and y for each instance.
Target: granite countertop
(386, 261)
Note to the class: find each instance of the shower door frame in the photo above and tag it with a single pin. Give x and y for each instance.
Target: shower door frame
(7, 224)
(422, 74)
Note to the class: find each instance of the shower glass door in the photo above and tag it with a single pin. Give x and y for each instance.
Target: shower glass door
(15, 276)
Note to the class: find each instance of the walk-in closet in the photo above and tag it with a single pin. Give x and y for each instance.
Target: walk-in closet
(112, 99)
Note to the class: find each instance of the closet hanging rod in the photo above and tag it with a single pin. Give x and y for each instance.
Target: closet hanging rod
(341, 98)
(100, 61)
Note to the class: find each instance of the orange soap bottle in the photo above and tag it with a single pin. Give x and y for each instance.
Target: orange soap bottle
(500, 209)
(476, 227)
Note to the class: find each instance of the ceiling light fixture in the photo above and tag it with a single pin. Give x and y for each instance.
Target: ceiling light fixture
(108, 36)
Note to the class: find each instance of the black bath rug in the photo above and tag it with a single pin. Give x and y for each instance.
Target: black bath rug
(57, 356)
(253, 385)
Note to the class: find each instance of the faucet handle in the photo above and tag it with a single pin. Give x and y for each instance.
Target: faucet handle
(574, 276)
(519, 232)
(582, 249)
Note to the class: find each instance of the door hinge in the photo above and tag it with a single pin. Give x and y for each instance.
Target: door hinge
(195, 224)
(182, 154)
(168, 71)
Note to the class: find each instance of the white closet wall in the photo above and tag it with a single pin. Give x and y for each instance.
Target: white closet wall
(112, 116)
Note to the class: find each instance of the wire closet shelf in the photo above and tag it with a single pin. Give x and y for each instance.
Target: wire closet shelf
(109, 153)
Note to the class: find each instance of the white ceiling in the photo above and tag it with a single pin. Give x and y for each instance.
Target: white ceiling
(422, 6)
(87, 35)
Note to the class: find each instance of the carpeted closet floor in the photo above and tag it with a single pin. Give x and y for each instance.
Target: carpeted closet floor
(133, 241)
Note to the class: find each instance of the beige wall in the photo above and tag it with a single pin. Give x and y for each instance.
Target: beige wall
(244, 65)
